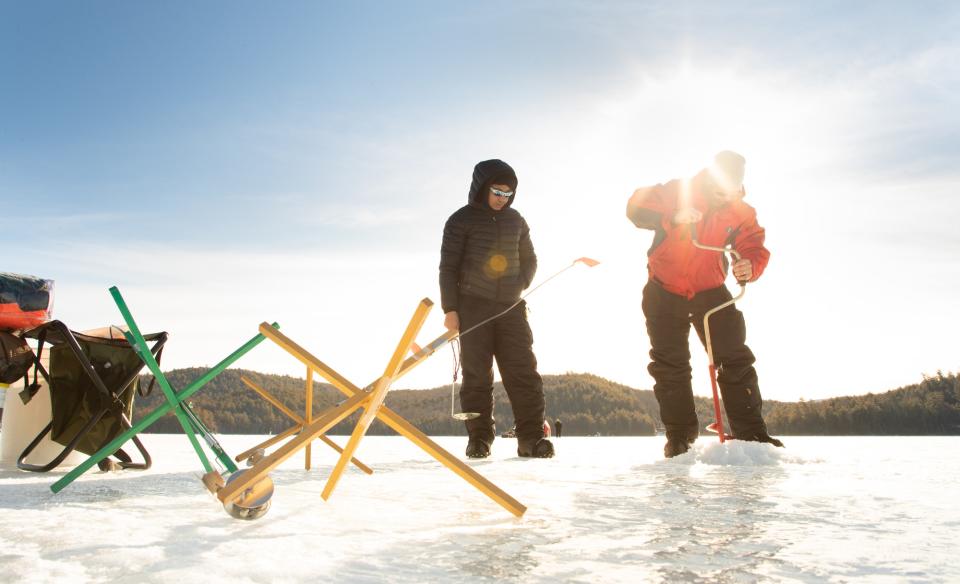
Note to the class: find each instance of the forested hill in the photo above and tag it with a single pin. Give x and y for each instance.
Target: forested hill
(931, 407)
(586, 404)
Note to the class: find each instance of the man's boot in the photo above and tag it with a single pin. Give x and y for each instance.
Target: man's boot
(679, 440)
(763, 437)
(675, 447)
(535, 448)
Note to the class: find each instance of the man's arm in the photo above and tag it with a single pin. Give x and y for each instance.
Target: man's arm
(749, 244)
(652, 207)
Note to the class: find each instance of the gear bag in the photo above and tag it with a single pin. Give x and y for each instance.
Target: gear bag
(25, 301)
(16, 357)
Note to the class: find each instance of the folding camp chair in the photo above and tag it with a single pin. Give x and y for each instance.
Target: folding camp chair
(93, 381)
(256, 500)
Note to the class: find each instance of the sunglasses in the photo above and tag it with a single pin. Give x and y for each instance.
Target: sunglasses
(501, 193)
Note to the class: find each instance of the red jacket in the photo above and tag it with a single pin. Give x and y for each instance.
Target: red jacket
(672, 260)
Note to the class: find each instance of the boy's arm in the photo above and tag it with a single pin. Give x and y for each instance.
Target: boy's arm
(528, 257)
(451, 255)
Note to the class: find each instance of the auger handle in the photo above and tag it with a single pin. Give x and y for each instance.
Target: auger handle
(706, 328)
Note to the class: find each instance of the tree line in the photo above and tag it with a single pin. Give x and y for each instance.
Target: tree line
(587, 405)
(931, 407)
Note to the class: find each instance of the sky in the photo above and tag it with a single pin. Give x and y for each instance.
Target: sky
(229, 163)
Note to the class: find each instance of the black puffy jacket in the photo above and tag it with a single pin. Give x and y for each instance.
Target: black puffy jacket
(486, 253)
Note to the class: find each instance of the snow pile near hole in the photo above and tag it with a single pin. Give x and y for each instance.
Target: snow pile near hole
(738, 453)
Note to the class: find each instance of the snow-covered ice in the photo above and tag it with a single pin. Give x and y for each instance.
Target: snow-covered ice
(605, 510)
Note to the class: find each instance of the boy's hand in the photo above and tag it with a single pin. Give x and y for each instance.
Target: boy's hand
(451, 320)
(743, 270)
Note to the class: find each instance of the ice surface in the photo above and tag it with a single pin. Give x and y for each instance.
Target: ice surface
(605, 510)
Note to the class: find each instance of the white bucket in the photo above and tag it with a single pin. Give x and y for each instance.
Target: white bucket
(22, 422)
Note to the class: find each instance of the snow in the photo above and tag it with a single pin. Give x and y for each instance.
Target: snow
(605, 509)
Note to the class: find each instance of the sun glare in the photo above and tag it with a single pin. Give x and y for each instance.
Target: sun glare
(712, 111)
(668, 125)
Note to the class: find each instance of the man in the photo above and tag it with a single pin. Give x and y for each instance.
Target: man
(558, 427)
(685, 282)
(486, 261)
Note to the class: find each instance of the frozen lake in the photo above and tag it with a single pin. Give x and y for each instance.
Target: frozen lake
(877, 509)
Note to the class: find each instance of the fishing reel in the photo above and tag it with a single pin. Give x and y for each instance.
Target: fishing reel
(252, 503)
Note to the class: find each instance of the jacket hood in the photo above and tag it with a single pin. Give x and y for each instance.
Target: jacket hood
(487, 173)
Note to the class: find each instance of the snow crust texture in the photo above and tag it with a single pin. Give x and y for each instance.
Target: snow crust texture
(604, 510)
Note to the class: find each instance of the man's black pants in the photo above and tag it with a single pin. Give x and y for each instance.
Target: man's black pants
(510, 340)
(669, 317)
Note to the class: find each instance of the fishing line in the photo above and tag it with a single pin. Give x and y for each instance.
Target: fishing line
(457, 355)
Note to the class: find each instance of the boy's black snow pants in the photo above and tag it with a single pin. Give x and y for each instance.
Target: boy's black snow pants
(669, 317)
(510, 340)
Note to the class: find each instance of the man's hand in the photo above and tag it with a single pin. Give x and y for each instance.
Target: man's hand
(451, 320)
(687, 215)
(743, 270)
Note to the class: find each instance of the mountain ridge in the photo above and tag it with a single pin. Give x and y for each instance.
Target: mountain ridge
(586, 403)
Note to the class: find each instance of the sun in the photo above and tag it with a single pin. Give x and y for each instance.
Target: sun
(713, 110)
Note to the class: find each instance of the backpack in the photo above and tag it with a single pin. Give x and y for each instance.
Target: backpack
(16, 357)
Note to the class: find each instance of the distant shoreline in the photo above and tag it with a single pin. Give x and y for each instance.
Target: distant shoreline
(587, 405)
